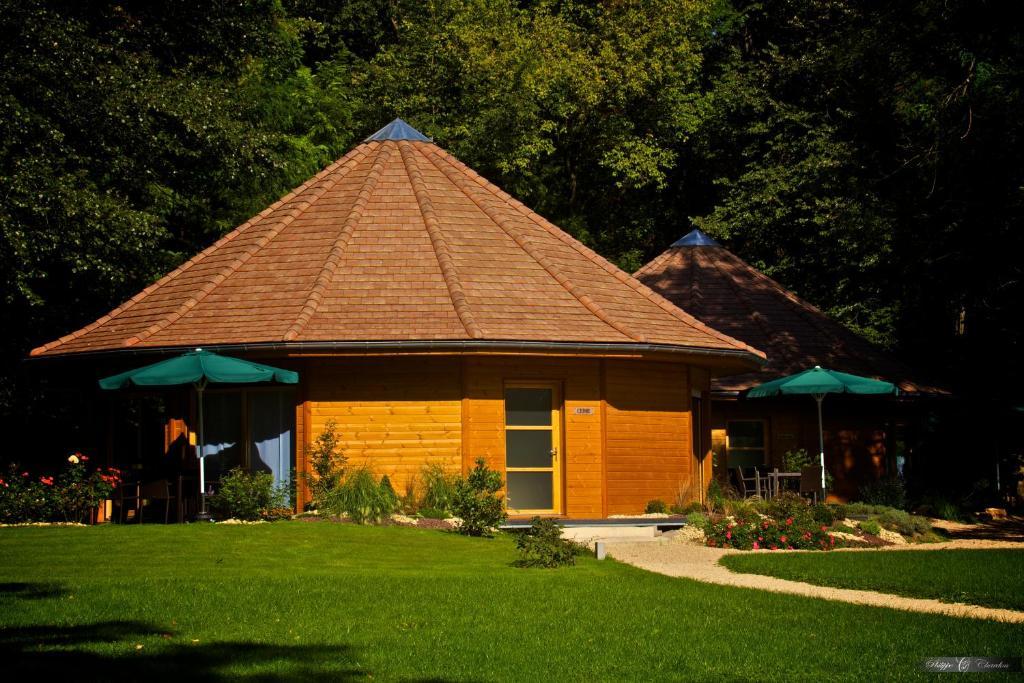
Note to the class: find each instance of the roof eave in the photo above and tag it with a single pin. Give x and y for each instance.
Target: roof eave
(728, 361)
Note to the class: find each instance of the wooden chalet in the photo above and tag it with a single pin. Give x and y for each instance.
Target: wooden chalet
(435, 319)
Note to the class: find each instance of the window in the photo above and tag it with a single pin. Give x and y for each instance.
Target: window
(745, 443)
(251, 429)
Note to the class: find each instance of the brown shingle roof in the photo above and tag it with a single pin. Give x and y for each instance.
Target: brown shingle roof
(396, 241)
(721, 289)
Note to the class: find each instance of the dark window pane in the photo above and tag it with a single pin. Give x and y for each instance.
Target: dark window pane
(222, 432)
(746, 458)
(530, 490)
(746, 434)
(528, 448)
(527, 407)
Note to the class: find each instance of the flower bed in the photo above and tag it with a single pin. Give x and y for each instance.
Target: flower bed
(70, 496)
(760, 532)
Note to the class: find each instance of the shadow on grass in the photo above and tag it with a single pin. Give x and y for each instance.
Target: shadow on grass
(30, 591)
(107, 651)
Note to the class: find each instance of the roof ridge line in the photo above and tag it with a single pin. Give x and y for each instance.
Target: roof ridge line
(755, 315)
(526, 245)
(192, 261)
(330, 267)
(228, 269)
(440, 245)
(599, 260)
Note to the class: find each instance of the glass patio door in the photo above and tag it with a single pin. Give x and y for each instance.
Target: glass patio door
(532, 442)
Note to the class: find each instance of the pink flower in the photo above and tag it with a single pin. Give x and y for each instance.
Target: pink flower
(824, 528)
(760, 538)
(789, 521)
(756, 546)
(775, 547)
(24, 474)
(83, 458)
(782, 538)
(728, 534)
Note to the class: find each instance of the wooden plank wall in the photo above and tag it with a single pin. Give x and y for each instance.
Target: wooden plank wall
(393, 414)
(396, 414)
(484, 435)
(649, 450)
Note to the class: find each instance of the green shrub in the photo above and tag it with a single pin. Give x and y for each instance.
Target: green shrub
(433, 513)
(543, 546)
(789, 505)
(716, 496)
(387, 493)
(70, 496)
(827, 514)
(363, 499)
(655, 507)
(697, 519)
(870, 526)
(327, 463)
(794, 461)
(889, 492)
(248, 495)
(438, 487)
(845, 529)
(476, 501)
(903, 522)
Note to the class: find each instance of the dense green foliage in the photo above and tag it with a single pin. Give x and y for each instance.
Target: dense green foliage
(865, 156)
(250, 496)
(542, 546)
(327, 464)
(979, 577)
(477, 500)
(324, 602)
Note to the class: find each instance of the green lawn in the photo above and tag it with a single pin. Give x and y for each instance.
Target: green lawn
(307, 601)
(982, 577)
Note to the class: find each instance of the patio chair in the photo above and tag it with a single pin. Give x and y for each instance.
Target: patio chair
(155, 491)
(810, 481)
(127, 495)
(749, 484)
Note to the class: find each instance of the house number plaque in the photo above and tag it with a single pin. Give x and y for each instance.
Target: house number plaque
(584, 411)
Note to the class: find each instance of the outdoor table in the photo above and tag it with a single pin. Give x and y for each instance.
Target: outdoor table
(776, 480)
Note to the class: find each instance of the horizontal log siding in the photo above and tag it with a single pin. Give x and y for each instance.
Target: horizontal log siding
(393, 414)
(648, 447)
(485, 378)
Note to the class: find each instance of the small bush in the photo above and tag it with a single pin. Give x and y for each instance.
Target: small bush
(327, 463)
(827, 514)
(889, 492)
(438, 487)
(903, 522)
(697, 519)
(433, 513)
(844, 528)
(870, 526)
(248, 495)
(794, 461)
(364, 499)
(543, 546)
(655, 507)
(477, 502)
(789, 505)
(387, 493)
(716, 496)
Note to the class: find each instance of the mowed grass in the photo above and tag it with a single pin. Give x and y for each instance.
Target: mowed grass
(318, 601)
(994, 578)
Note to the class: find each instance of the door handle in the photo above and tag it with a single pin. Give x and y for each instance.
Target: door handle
(554, 453)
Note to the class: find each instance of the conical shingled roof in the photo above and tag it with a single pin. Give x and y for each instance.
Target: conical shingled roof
(396, 242)
(707, 280)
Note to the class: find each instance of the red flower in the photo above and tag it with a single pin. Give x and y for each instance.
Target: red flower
(775, 547)
(824, 528)
(83, 458)
(789, 521)
(24, 474)
(728, 534)
(756, 546)
(782, 539)
(47, 480)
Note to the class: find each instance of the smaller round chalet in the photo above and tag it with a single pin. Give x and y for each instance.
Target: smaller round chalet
(863, 436)
(435, 319)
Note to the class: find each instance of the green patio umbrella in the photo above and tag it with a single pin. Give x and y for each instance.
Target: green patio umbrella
(817, 382)
(199, 368)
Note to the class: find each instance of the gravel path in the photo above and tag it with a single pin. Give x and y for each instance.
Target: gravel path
(701, 564)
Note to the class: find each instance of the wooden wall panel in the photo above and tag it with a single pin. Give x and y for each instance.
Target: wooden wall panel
(394, 415)
(484, 378)
(649, 450)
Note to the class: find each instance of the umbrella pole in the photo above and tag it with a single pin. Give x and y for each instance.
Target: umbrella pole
(203, 515)
(821, 443)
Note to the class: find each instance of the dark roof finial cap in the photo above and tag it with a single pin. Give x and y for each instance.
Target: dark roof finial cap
(696, 238)
(398, 130)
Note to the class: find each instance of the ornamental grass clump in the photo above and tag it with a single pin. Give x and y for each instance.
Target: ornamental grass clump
(759, 532)
(438, 488)
(363, 498)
